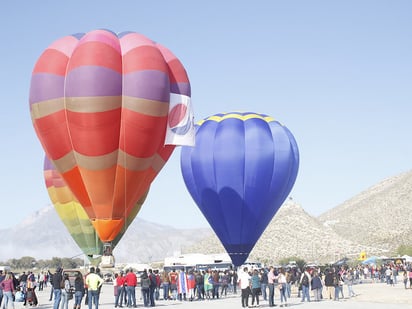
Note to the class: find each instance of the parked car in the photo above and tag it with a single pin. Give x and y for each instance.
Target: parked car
(108, 277)
(72, 275)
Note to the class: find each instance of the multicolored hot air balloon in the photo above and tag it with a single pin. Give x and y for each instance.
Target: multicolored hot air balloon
(100, 104)
(240, 172)
(71, 212)
(73, 215)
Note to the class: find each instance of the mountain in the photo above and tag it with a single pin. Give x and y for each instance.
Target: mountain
(381, 215)
(44, 236)
(378, 221)
(292, 233)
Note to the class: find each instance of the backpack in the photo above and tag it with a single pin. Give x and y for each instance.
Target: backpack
(153, 282)
(145, 282)
(305, 280)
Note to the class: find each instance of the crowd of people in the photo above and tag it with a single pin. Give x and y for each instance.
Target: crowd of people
(273, 285)
(176, 285)
(21, 289)
(315, 283)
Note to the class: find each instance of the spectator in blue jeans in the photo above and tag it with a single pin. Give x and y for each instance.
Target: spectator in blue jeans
(305, 279)
(93, 282)
(57, 292)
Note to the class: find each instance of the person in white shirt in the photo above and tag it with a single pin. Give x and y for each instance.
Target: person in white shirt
(244, 283)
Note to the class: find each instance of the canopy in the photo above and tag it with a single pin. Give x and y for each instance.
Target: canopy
(370, 260)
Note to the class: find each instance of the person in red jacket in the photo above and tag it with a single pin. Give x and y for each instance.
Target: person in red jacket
(131, 282)
(121, 291)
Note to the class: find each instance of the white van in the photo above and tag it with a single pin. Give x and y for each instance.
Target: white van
(5, 268)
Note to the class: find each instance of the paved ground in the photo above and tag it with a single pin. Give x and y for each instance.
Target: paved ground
(370, 295)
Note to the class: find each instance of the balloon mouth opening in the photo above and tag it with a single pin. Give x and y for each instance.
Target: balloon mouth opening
(108, 229)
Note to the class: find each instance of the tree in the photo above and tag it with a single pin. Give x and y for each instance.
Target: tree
(56, 262)
(69, 263)
(27, 262)
(299, 261)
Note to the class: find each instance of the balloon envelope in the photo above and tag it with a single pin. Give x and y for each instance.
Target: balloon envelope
(73, 215)
(239, 173)
(99, 104)
(71, 212)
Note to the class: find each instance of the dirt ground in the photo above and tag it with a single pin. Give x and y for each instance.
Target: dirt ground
(369, 295)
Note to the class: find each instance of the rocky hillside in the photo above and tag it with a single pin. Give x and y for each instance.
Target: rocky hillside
(377, 221)
(293, 233)
(381, 215)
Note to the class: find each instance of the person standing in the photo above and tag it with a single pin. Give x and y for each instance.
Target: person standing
(317, 286)
(234, 281)
(78, 291)
(56, 286)
(116, 290)
(271, 284)
(152, 287)
(131, 282)
(23, 281)
(225, 283)
(2, 277)
(410, 278)
(336, 285)
(263, 283)
(215, 283)
(64, 303)
(289, 278)
(282, 287)
(41, 281)
(165, 284)
(191, 284)
(50, 276)
(305, 279)
(121, 289)
(244, 283)
(145, 288)
(158, 283)
(256, 287)
(7, 285)
(199, 285)
(93, 282)
(349, 278)
(208, 283)
(173, 283)
(329, 284)
(405, 278)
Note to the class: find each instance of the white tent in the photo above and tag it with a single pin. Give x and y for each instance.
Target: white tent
(407, 258)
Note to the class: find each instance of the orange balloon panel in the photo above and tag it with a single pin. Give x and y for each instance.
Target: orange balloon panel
(72, 214)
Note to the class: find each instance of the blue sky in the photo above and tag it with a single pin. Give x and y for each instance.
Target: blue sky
(338, 74)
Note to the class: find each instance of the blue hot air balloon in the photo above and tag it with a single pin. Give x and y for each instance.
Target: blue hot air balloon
(240, 172)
